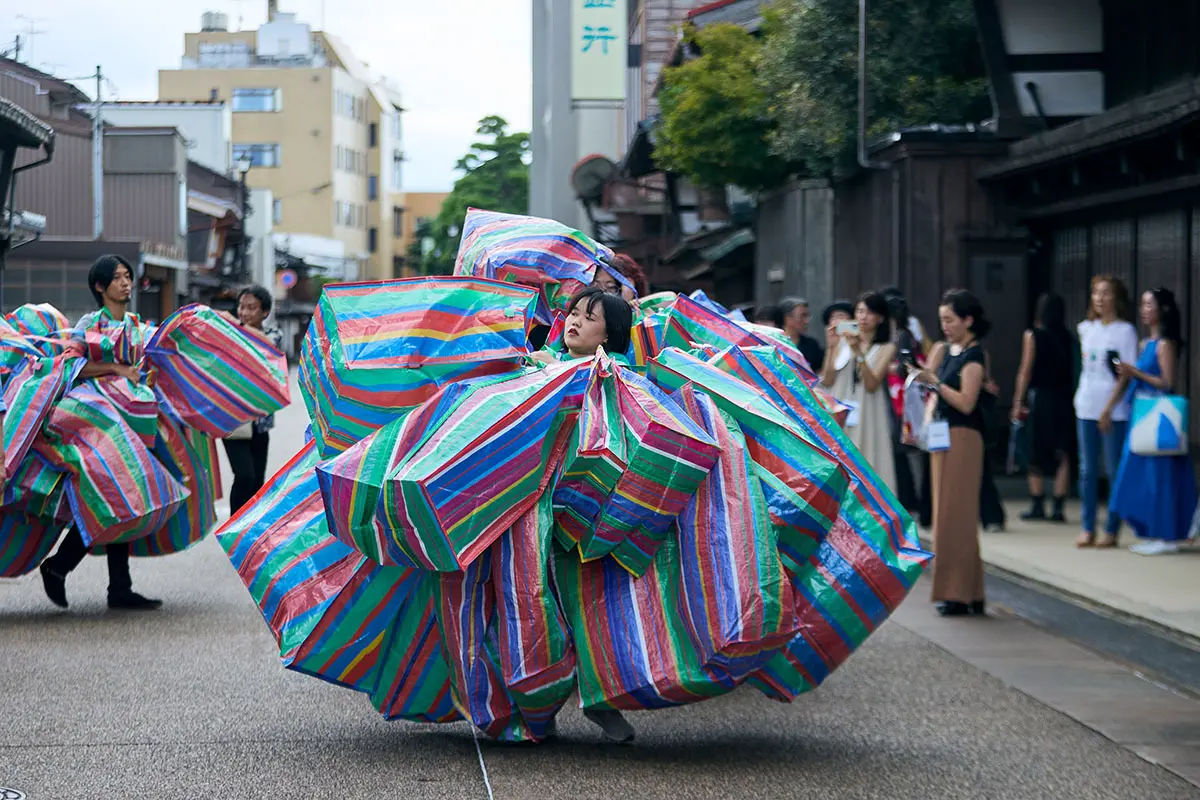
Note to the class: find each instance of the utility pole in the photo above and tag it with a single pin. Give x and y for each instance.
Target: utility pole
(98, 161)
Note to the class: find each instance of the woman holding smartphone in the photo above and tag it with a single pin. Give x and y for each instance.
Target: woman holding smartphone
(858, 356)
(1107, 339)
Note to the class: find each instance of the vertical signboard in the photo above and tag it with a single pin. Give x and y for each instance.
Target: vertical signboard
(599, 41)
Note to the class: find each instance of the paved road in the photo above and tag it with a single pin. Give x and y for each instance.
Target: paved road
(191, 702)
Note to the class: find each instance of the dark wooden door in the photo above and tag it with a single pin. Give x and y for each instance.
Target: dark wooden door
(997, 274)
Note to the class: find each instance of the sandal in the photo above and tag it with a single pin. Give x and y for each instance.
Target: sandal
(1107, 542)
(1085, 539)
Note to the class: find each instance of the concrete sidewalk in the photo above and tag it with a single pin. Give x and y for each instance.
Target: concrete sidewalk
(1162, 590)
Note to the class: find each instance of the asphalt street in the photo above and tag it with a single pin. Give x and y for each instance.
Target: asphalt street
(191, 702)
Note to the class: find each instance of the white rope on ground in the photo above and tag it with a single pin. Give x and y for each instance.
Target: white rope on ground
(479, 751)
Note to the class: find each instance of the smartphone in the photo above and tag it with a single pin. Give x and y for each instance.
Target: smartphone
(847, 329)
(907, 359)
(1114, 360)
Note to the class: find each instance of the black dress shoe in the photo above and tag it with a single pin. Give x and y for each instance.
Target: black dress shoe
(951, 608)
(979, 609)
(132, 601)
(54, 584)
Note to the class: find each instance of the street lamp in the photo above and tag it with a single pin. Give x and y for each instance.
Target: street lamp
(243, 166)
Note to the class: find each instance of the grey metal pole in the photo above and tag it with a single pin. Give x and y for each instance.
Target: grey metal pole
(864, 159)
(98, 163)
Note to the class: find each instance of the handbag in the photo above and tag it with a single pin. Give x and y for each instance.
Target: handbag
(1159, 425)
(242, 432)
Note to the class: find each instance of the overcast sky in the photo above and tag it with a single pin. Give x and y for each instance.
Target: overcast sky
(456, 60)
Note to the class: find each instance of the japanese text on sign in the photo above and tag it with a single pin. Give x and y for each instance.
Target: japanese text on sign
(598, 50)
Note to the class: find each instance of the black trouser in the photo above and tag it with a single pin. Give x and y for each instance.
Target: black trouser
(248, 460)
(991, 509)
(73, 551)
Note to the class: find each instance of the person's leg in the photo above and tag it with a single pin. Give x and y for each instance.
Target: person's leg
(120, 584)
(241, 462)
(1089, 467)
(1113, 443)
(1037, 496)
(258, 451)
(1062, 484)
(71, 553)
(991, 509)
(616, 728)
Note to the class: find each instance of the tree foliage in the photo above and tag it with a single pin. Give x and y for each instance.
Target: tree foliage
(495, 176)
(923, 65)
(715, 122)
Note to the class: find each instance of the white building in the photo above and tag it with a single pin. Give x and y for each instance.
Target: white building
(206, 126)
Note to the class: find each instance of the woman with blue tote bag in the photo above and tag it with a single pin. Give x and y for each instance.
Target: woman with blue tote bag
(1155, 490)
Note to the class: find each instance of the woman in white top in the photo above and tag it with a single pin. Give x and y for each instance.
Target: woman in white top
(855, 369)
(1106, 339)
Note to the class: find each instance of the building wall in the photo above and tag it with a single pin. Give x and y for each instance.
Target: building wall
(304, 182)
(417, 206)
(794, 253)
(145, 186)
(207, 127)
(60, 189)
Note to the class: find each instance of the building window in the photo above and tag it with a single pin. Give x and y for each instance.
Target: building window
(397, 221)
(373, 240)
(373, 187)
(257, 100)
(260, 155)
(373, 135)
(397, 169)
(395, 120)
(277, 211)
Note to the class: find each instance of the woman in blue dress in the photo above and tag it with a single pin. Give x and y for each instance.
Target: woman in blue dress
(1156, 495)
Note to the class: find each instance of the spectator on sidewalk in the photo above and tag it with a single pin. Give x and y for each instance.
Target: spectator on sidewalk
(992, 515)
(1042, 400)
(1107, 339)
(956, 374)
(1156, 495)
(924, 341)
(856, 369)
(910, 461)
(247, 448)
(796, 317)
(771, 317)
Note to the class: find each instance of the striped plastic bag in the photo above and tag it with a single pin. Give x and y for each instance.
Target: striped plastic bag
(118, 491)
(482, 467)
(14, 348)
(414, 680)
(198, 515)
(689, 323)
(735, 593)
(374, 350)
(137, 403)
(352, 483)
(669, 456)
(329, 608)
(537, 659)
(543, 254)
(29, 395)
(215, 374)
(25, 541)
(634, 647)
(467, 615)
(804, 484)
(596, 457)
(39, 319)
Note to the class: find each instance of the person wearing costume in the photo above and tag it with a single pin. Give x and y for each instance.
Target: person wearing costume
(111, 282)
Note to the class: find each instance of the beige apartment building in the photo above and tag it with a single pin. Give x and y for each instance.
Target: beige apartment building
(418, 207)
(317, 127)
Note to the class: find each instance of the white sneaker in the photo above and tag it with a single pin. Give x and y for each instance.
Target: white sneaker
(1154, 547)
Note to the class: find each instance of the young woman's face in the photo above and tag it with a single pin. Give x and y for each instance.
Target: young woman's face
(1149, 310)
(956, 329)
(1104, 300)
(586, 330)
(250, 311)
(868, 321)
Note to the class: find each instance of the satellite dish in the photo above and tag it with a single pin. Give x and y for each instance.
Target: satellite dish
(590, 176)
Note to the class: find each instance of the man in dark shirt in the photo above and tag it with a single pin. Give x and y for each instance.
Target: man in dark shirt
(796, 316)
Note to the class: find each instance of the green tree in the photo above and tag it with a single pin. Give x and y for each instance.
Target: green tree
(495, 177)
(923, 65)
(715, 116)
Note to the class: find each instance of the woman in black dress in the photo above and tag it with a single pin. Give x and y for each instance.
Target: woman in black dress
(1043, 399)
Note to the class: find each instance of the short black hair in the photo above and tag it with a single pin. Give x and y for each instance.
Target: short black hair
(964, 304)
(898, 309)
(260, 294)
(103, 270)
(789, 304)
(618, 316)
(845, 306)
(771, 314)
